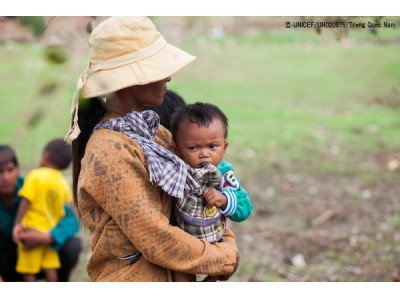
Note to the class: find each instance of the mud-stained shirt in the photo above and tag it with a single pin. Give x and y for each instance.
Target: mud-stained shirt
(126, 214)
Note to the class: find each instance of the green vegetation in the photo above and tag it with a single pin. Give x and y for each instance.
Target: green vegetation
(288, 94)
(296, 95)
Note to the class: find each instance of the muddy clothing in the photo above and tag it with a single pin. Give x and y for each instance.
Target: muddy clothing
(126, 214)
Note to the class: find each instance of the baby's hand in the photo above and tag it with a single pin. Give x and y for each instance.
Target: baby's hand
(214, 197)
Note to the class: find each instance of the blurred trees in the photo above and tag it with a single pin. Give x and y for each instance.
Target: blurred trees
(36, 24)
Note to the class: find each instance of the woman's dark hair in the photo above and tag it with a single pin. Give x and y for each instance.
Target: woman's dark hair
(89, 115)
(200, 113)
(171, 102)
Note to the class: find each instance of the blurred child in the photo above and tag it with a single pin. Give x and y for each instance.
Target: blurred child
(200, 133)
(43, 195)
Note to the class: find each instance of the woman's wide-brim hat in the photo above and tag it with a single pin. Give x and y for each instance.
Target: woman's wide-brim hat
(125, 51)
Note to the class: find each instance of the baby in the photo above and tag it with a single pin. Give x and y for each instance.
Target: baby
(200, 133)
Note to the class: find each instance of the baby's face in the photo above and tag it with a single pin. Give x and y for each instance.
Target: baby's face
(199, 145)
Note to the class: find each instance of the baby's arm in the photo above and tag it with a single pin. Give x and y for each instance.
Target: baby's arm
(22, 209)
(238, 206)
(235, 204)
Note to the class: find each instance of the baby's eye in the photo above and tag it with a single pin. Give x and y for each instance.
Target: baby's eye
(213, 146)
(192, 148)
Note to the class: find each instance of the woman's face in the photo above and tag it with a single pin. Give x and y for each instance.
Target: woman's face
(135, 98)
(149, 94)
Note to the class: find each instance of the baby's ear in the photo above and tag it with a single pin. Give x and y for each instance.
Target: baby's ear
(226, 145)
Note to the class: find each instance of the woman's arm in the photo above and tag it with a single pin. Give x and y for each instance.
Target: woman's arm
(6, 224)
(117, 177)
(65, 229)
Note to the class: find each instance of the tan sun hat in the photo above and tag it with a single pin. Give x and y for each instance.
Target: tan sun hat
(124, 51)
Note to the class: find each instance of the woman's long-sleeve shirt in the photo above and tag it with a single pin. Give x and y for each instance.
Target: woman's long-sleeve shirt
(125, 214)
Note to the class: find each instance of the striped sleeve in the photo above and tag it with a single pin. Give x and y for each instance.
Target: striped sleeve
(231, 204)
(239, 206)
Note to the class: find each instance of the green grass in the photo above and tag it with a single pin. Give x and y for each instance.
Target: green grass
(30, 117)
(288, 94)
(297, 96)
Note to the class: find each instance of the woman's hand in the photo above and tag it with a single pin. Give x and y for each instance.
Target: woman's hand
(31, 238)
(224, 277)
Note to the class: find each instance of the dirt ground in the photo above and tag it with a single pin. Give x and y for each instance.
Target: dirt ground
(320, 228)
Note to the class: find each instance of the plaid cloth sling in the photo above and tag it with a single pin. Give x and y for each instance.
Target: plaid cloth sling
(192, 213)
(166, 170)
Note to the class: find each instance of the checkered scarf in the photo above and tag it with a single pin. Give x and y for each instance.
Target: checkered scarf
(166, 170)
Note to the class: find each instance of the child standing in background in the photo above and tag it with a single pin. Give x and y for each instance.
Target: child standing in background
(200, 131)
(43, 196)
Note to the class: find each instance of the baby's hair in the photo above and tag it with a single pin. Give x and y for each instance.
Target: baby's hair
(200, 113)
(59, 153)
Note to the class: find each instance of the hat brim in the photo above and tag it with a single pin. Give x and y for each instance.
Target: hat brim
(159, 66)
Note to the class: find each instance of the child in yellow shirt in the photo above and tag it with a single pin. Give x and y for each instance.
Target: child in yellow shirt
(43, 196)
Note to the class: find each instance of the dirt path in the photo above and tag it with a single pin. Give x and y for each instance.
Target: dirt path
(321, 228)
